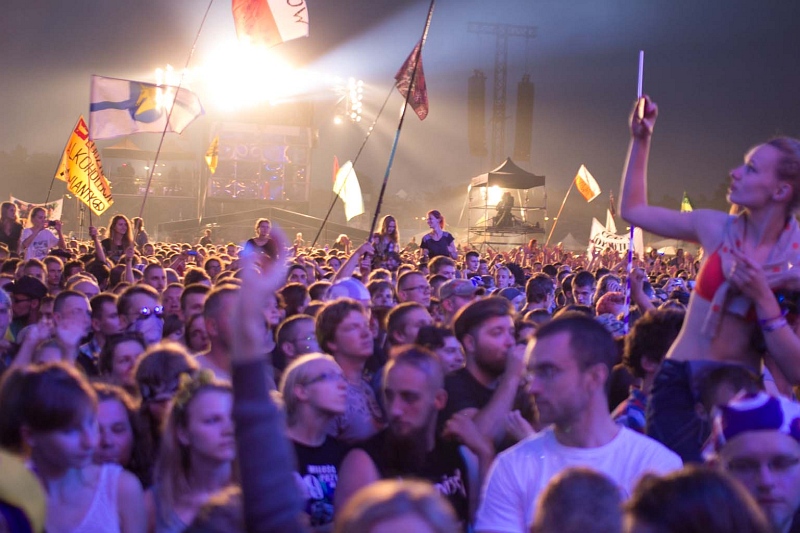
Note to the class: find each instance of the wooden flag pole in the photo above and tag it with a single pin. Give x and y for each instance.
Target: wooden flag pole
(558, 216)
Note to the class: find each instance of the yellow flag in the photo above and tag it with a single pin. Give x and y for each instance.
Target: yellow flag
(686, 205)
(212, 155)
(82, 170)
(586, 183)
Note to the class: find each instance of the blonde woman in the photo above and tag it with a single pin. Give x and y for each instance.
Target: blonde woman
(197, 453)
(314, 392)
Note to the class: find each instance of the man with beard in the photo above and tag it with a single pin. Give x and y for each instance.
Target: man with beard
(409, 447)
(491, 378)
(568, 362)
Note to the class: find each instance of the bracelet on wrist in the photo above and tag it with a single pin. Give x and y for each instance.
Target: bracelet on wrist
(774, 325)
(766, 321)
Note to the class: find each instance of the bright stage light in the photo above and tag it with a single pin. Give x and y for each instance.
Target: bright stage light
(337, 120)
(495, 195)
(238, 75)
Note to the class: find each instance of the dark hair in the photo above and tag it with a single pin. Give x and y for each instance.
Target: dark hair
(331, 316)
(317, 290)
(474, 314)
(579, 500)
(196, 275)
(54, 397)
(538, 287)
(61, 300)
(697, 499)
(106, 360)
(438, 262)
(99, 300)
(395, 319)
(195, 288)
(584, 278)
(124, 300)
(589, 341)
(433, 337)
(651, 337)
(294, 297)
(737, 377)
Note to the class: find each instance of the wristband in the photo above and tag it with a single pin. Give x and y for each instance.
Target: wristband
(766, 321)
(774, 325)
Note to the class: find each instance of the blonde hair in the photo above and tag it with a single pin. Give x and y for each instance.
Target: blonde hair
(298, 373)
(173, 465)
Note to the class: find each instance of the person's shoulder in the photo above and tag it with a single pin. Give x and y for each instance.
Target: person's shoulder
(529, 447)
(642, 447)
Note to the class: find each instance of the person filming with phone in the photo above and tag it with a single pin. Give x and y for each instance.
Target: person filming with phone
(38, 238)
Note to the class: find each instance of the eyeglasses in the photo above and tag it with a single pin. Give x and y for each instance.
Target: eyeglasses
(327, 376)
(779, 464)
(423, 288)
(146, 312)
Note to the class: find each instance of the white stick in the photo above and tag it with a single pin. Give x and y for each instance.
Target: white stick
(641, 74)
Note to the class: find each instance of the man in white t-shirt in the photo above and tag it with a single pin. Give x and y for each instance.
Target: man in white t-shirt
(569, 362)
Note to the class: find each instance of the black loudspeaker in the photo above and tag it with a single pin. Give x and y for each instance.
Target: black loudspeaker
(476, 114)
(524, 125)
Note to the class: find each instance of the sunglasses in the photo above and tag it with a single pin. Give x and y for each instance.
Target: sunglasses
(146, 312)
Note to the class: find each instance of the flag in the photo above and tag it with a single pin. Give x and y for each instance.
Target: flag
(122, 107)
(347, 188)
(335, 168)
(600, 237)
(270, 22)
(419, 92)
(212, 155)
(53, 208)
(611, 204)
(586, 183)
(611, 226)
(686, 205)
(81, 168)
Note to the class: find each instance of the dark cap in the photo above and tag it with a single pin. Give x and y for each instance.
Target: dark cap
(28, 286)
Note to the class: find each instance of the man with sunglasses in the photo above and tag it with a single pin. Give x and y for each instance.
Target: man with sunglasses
(140, 310)
(756, 438)
(26, 296)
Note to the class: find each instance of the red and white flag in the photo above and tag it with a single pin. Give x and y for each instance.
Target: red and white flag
(270, 22)
(419, 92)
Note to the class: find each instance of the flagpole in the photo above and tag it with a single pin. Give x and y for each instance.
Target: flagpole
(627, 308)
(358, 155)
(411, 86)
(558, 216)
(172, 107)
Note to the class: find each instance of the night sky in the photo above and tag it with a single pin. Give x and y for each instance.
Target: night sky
(724, 73)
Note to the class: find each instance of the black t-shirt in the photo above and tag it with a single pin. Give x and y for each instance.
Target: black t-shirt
(269, 248)
(443, 467)
(463, 391)
(11, 239)
(436, 248)
(114, 252)
(317, 475)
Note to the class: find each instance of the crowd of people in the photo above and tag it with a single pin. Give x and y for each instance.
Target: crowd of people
(276, 386)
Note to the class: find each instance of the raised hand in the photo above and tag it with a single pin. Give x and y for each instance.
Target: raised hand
(642, 128)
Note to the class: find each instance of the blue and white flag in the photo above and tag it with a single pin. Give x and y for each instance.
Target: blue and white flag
(121, 107)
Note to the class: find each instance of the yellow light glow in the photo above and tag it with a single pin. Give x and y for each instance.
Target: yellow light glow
(238, 75)
(495, 195)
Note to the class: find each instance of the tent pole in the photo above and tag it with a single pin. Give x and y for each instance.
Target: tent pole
(558, 216)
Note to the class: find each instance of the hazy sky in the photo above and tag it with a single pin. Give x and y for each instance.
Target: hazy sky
(723, 72)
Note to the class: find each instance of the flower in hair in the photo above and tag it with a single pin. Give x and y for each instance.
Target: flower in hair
(189, 385)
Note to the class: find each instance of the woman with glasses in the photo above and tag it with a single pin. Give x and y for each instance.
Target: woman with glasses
(314, 393)
(197, 453)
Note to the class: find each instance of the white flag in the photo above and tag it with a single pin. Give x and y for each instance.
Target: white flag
(347, 188)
